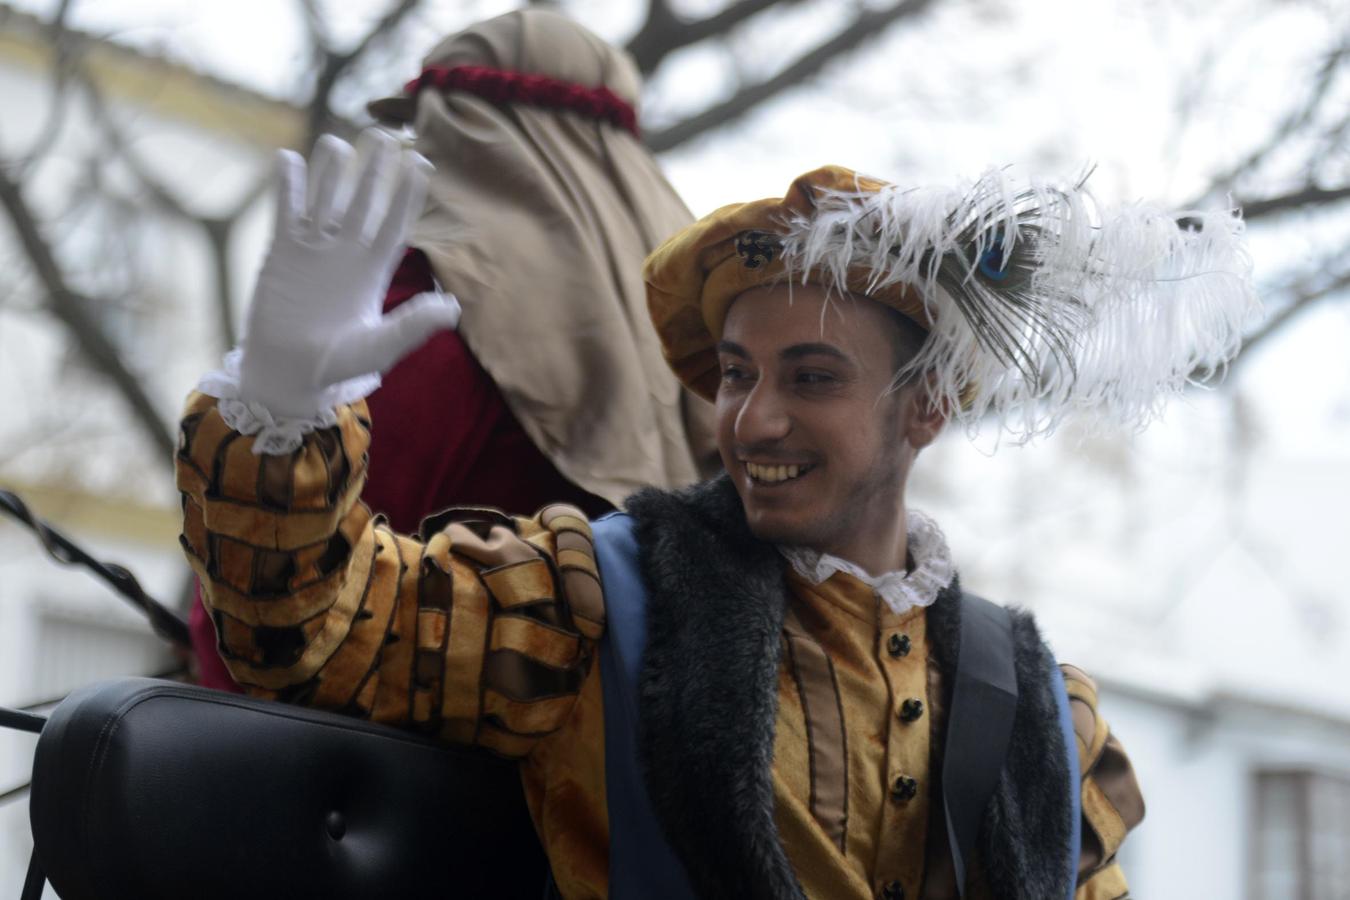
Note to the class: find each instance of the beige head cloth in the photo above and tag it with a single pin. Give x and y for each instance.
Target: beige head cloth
(538, 221)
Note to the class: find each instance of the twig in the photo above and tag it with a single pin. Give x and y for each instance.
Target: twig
(867, 24)
(333, 65)
(1295, 121)
(62, 63)
(663, 32)
(1305, 295)
(71, 308)
(1307, 196)
(1302, 300)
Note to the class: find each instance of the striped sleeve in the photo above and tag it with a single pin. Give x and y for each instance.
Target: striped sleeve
(1112, 801)
(480, 632)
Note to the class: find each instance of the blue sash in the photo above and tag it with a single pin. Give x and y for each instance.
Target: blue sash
(641, 863)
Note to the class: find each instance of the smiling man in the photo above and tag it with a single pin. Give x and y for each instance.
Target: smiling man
(815, 438)
(770, 685)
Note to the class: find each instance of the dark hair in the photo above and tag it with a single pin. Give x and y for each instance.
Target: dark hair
(907, 337)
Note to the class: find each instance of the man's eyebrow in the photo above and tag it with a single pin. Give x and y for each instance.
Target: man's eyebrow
(733, 348)
(797, 351)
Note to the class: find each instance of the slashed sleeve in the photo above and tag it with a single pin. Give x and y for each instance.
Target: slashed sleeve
(480, 631)
(1112, 801)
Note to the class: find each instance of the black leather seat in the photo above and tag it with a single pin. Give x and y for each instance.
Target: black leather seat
(149, 789)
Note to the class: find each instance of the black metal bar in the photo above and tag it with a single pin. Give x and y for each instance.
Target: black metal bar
(35, 881)
(15, 793)
(165, 623)
(23, 721)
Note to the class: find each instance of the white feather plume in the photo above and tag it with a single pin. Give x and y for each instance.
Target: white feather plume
(1042, 303)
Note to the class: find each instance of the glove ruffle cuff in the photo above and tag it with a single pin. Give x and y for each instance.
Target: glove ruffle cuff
(277, 435)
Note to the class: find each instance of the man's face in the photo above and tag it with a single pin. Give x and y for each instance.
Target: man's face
(816, 446)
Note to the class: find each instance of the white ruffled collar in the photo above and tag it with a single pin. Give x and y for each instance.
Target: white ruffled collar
(902, 591)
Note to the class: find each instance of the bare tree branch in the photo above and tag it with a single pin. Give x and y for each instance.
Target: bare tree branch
(1308, 196)
(218, 235)
(1297, 120)
(867, 24)
(121, 148)
(71, 308)
(250, 197)
(217, 230)
(62, 58)
(1299, 303)
(333, 65)
(318, 32)
(663, 32)
(1303, 293)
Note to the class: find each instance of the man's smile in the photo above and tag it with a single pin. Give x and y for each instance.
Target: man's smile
(775, 474)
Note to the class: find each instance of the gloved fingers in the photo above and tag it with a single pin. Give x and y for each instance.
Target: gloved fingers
(332, 157)
(379, 156)
(368, 348)
(290, 169)
(405, 205)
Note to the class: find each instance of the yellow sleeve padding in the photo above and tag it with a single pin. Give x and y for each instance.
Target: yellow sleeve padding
(481, 633)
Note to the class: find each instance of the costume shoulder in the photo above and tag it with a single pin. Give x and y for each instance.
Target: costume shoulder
(1111, 798)
(712, 591)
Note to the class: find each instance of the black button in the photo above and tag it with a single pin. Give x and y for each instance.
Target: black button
(898, 645)
(904, 788)
(336, 825)
(911, 709)
(893, 890)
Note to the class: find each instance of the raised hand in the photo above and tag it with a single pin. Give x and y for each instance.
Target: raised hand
(315, 336)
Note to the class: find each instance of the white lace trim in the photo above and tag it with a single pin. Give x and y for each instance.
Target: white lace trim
(274, 435)
(902, 591)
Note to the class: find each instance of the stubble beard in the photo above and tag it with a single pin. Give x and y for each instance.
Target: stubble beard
(878, 493)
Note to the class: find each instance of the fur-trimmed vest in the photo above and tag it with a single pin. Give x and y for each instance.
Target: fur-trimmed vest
(688, 760)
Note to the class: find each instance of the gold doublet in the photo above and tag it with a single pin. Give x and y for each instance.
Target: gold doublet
(855, 722)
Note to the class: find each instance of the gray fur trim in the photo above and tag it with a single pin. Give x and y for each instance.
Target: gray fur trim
(709, 689)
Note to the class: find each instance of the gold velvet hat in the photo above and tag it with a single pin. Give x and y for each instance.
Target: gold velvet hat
(1037, 301)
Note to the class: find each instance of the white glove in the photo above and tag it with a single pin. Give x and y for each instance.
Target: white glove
(315, 337)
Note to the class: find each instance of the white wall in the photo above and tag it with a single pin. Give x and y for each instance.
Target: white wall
(1197, 768)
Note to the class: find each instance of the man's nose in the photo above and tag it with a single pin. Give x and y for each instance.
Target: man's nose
(763, 417)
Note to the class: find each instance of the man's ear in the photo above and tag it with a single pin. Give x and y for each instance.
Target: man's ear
(928, 415)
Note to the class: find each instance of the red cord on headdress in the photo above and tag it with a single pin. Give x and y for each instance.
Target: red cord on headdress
(510, 86)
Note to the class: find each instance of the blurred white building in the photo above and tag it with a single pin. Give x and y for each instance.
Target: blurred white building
(1195, 571)
(1201, 585)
